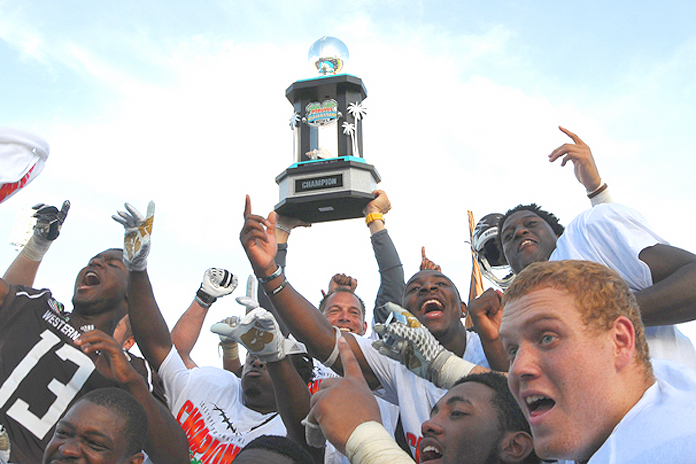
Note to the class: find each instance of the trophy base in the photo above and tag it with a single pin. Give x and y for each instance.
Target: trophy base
(326, 190)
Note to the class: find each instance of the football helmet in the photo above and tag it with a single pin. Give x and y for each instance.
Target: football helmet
(487, 252)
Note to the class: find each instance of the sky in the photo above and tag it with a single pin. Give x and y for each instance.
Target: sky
(183, 103)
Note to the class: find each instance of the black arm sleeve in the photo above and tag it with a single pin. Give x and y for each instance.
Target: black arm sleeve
(391, 272)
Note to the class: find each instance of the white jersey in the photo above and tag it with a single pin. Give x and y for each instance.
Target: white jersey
(207, 402)
(414, 396)
(614, 235)
(661, 427)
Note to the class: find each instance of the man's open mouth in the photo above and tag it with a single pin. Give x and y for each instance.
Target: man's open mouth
(91, 279)
(430, 453)
(525, 243)
(539, 404)
(431, 305)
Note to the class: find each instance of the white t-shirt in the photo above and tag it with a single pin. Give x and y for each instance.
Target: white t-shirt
(614, 235)
(661, 427)
(207, 403)
(414, 396)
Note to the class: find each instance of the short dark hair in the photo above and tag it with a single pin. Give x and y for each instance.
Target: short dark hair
(510, 416)
(125, 405)
(280, 445)
(550, 219)
(324, 300)
(459, 296)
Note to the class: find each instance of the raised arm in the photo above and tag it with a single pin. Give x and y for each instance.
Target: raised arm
(391, 271)
(284, 226)
(166, 441)
(301, 317)
(215, 284)
(149, 328)
(672, 297)
(49, 221)
(584, 167)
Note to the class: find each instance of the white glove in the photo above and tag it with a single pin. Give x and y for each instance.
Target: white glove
(249, 301)
(232, 321)
(136, 240)
(260, 335)
(403, 338)
(215, 284)
(4, 445)
(49, 220)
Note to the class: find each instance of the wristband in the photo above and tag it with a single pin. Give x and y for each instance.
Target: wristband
(204, 299)
(334, 354)
(371, 443)
(313, 434)
(277, 290)
(36, 248)
(230, 350)
(601, 197)
(374, 217)
(451, 370)
(597, 191)
(276, 273)
(283, 228)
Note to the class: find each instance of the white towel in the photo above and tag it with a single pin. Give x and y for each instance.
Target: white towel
(22, 158)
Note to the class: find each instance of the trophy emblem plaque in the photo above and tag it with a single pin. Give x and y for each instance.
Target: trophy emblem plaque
(329, 180)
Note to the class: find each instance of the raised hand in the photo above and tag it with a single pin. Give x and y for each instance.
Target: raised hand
(487, 313)
(380, 204)
(232, 321)
(342, 280)
(285, 225)
(136, 240)
(216, 283)
(49, 220)
(258, 331)
(259, 242)
(580, 155)
(426, 264)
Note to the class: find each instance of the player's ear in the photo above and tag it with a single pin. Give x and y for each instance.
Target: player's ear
(624, 341)
(515, 447)
(137, 458)
(128, 344)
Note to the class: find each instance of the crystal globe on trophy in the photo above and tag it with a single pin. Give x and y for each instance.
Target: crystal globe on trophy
(329, 179)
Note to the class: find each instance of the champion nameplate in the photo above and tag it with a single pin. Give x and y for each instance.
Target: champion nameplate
(319, 183)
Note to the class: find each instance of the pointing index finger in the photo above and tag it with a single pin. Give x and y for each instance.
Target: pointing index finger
(247, 207)
(572, 135)
(351, 367)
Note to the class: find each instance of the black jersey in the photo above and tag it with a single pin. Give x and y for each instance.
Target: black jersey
(42, 372)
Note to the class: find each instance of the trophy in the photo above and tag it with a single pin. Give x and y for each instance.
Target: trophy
(329, 179)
